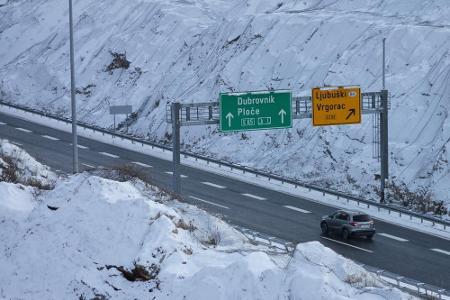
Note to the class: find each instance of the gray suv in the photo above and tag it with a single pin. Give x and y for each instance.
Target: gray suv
(348, 223)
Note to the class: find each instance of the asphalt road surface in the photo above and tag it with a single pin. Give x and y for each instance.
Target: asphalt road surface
(394, 248)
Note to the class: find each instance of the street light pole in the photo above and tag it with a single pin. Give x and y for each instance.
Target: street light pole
(72, 94)
(384, 130)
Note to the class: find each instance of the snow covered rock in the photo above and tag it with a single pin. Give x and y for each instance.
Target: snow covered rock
(16, 165)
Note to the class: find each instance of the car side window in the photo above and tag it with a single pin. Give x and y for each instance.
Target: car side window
(342, 216)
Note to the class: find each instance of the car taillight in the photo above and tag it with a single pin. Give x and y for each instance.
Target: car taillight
(354, 224)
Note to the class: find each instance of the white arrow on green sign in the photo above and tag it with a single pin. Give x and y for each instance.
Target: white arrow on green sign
(255, 110)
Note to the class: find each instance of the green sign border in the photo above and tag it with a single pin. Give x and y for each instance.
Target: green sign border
(250, 92)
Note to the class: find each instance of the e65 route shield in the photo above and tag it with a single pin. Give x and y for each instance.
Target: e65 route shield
(255, 110)
(336, 106)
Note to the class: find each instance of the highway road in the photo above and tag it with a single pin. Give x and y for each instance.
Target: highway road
(396, 249)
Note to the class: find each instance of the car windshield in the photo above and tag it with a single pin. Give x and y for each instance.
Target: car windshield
(361, 218)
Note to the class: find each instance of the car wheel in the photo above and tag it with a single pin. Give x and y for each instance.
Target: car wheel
(345, 234)
(324, 227)
(369, 237)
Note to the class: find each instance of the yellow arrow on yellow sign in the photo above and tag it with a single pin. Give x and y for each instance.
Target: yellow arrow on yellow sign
(336, 105)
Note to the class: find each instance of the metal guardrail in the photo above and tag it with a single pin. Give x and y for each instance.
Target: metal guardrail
(404, 283)
(270, 176)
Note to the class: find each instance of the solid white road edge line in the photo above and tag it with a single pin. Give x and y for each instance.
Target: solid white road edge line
(390, 236)
(23, 129)
(297, 209)
(50, 137)
(141, 164)
(253, 196)
(212, 203)
(213, 185)
(109, 154)
(171, 173)
(17, 144)
(441, 251)
(345, 244)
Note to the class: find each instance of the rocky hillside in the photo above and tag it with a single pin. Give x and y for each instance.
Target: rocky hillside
(148, 53)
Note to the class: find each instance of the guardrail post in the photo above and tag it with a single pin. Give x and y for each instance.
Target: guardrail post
(188, 113)
(176, 181)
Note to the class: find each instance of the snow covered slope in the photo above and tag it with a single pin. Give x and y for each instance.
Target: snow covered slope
(83, 239)
(191, 50)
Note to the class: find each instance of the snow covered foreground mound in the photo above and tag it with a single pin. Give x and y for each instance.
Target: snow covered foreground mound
(19, 173)
(82, 239)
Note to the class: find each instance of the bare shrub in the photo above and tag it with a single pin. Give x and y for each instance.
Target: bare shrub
(86, 91)
(128, 172)
(38, 184)
(419, 200)
(214, 238)
(360, 280)
(10, 171)
(119, 61)
(139, 272)
(186, 226)
(188, 250)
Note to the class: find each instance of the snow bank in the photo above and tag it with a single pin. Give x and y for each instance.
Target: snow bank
(27, 170)
(80, 238)
(15, 198)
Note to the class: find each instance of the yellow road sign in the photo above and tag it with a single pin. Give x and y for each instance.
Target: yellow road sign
(336, 106)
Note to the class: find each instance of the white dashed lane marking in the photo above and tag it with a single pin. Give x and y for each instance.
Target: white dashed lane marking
(441, 251)
(141, 164)
(254, 196)
(171, 173)
(109, 154)
(212, 203)
(80, 146)
(17, 144)
(23, 129)
(1, 123)
(349, 245)
(213, 185)
(50, 137)
(298, 209)
(89, 166)
(393, 237)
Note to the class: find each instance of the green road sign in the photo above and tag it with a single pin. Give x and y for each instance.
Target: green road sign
(255, 110)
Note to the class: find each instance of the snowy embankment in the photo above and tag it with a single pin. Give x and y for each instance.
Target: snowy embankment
(96, 237)
(148, 53)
